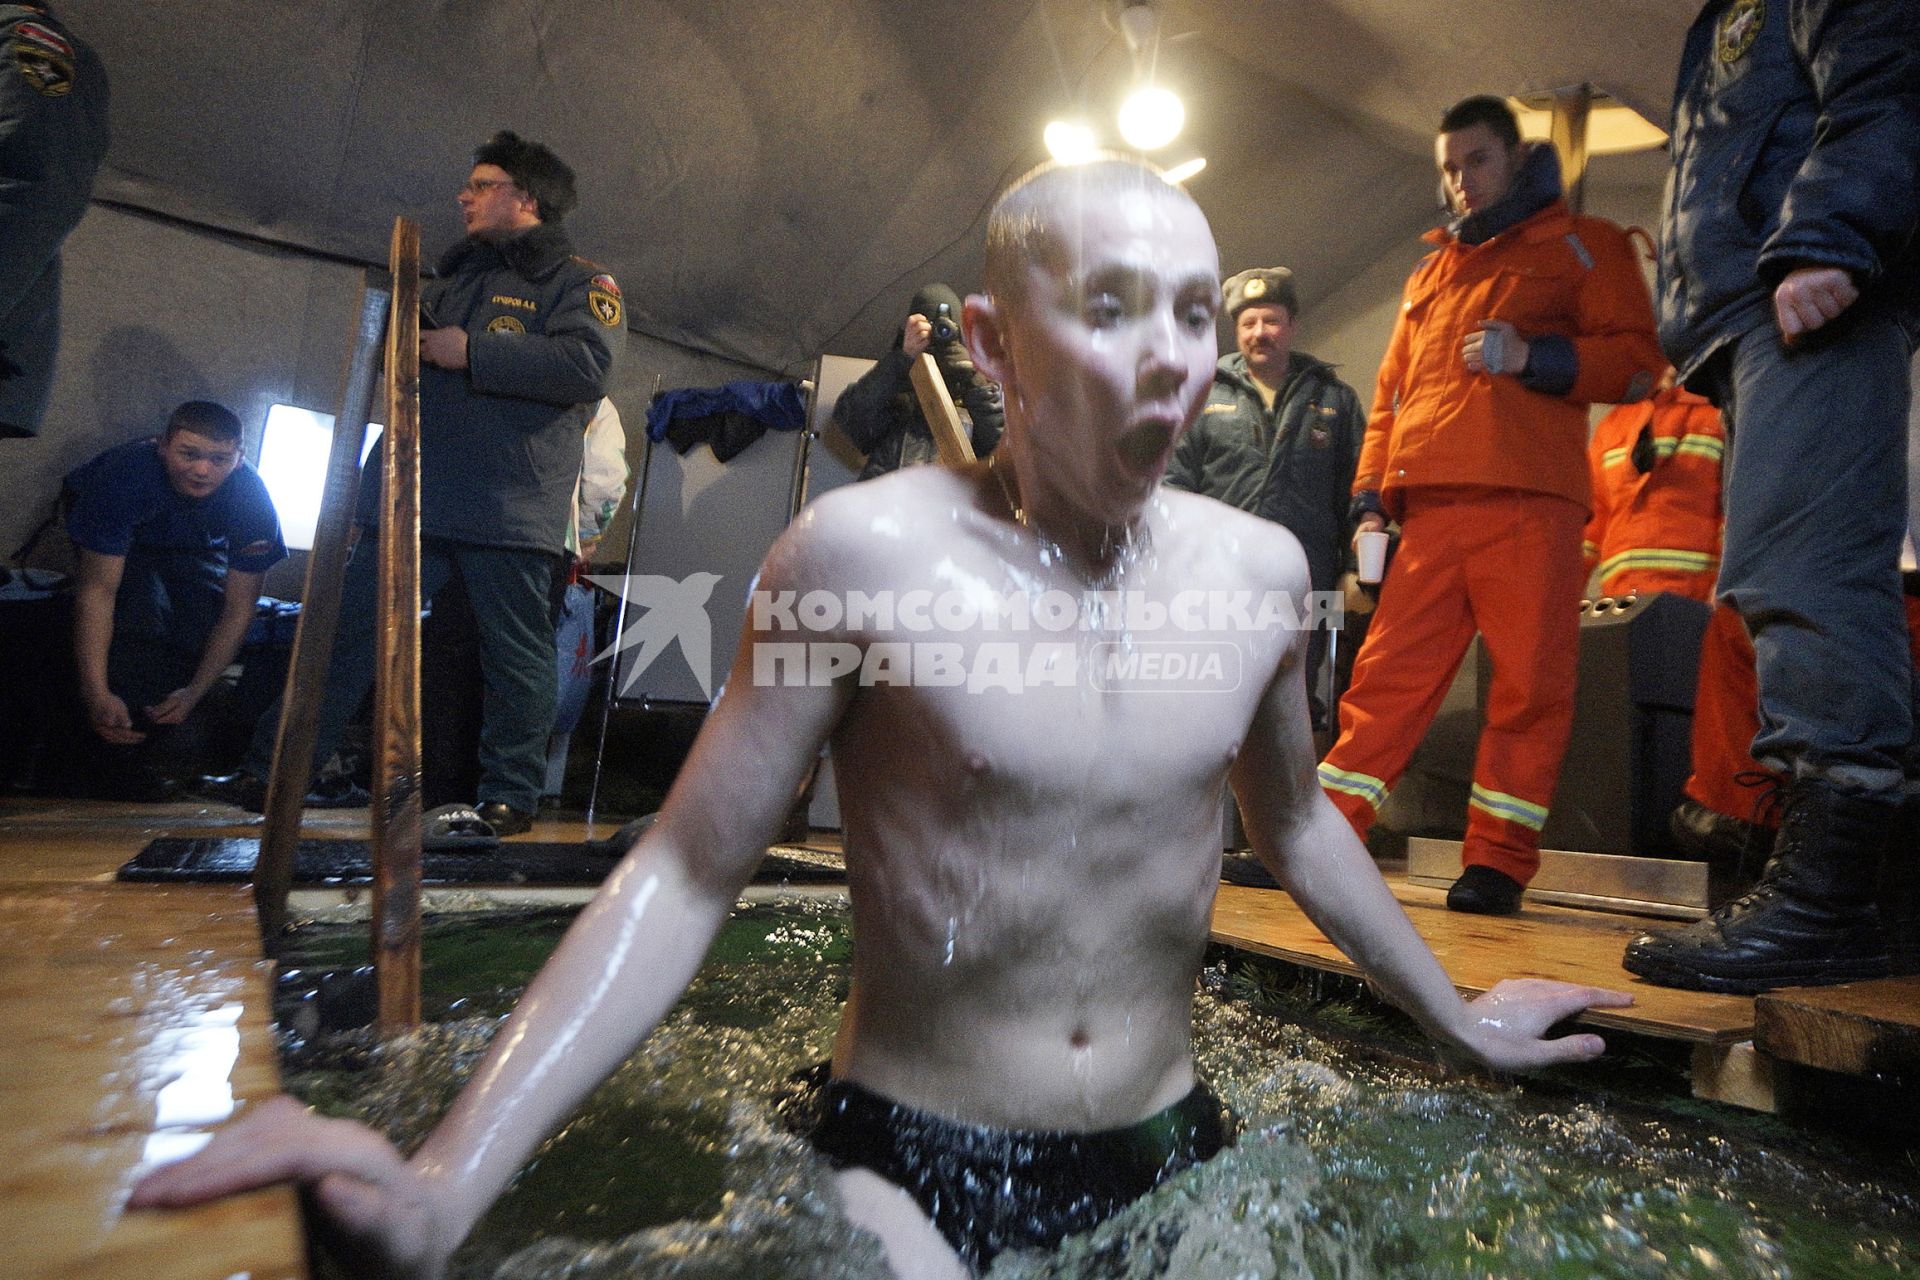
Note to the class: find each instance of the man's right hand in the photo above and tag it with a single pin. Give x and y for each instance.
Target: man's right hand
(111, 720)
(916, 335)
(1372, 522)
(379, 1212)
(1808, 297)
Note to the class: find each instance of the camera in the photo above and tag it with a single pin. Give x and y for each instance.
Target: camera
(945, 327)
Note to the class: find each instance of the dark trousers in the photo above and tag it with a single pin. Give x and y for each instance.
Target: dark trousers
(510, 591)
(1816, 506)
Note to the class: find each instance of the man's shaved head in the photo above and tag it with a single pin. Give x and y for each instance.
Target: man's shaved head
(1026, 225)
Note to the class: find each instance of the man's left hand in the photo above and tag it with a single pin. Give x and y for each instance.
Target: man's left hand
(175, 707)
(1506, 353)
(444, 347)
(1506, 1023)
(1811, 296)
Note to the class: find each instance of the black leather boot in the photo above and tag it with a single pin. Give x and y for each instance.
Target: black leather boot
(1900, 890)
(1811, 921)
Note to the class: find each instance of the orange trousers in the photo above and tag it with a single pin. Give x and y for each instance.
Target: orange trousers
(1726, 716)
(1503, 563)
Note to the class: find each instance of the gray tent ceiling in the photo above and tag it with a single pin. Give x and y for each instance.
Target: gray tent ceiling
(770, 180)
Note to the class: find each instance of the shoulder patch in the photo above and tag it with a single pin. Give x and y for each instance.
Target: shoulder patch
(605, 281)
(44, 58)
(605, 306)
(1739, 28)
(259, 548)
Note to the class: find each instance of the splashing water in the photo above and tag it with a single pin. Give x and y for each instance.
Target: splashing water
(680, 1165)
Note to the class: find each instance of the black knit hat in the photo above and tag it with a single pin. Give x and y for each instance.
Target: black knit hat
(1262, 285)
(534, 169)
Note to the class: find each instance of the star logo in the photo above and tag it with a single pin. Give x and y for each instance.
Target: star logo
(669, 612)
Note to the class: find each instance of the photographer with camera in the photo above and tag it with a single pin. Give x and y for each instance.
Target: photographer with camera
(880, 413)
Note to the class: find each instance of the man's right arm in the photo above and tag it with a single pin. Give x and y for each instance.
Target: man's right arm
(92, 636)
(616, 973)
(1851, 206)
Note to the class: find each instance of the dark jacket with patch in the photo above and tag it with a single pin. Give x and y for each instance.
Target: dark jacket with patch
(1796, 142)
(1293, 465)
(500, 441)
(53, 135)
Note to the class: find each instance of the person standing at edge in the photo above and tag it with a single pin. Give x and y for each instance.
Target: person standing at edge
(517, 345)
(1793, 303)
(1522, 316)
(1279, 437)
(53, 136)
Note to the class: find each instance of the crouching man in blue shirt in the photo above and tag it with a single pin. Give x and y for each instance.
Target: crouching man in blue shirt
(174, 535)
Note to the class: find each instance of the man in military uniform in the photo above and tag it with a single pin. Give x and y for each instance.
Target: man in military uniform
(1280, 436)
(517, 346)
(1790, 297)
(53, 134)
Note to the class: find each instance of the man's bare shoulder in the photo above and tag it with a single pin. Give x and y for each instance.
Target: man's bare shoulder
(858, 530)
(1219, 540)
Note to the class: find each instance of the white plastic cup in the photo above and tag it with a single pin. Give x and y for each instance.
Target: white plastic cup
(1370, 546)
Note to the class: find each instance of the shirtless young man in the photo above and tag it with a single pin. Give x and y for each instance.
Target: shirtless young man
(1032, 871)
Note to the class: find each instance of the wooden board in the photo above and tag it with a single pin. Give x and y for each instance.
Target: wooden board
(950, 441)
(132, 1019)
(1478, 951)
(1861, 1028)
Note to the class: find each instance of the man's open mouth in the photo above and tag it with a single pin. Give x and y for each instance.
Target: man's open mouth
(1143, 446)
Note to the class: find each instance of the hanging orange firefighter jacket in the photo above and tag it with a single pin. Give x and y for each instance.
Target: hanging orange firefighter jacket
(1656, 496)
(1435, 423)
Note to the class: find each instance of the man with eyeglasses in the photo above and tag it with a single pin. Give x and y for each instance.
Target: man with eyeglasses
(517, 345)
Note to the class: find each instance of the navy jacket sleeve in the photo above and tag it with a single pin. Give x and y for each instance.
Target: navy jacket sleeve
(571, 363)
(1852, 203)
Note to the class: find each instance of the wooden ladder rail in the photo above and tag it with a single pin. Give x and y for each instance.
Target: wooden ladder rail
(396, 688)
(292, 769)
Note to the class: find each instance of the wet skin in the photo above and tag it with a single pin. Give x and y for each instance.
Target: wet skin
(1032, 874)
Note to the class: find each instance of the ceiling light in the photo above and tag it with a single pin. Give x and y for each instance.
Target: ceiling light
(1613, 127)
(1151, 117)
(1181, 172)
(1070, 142)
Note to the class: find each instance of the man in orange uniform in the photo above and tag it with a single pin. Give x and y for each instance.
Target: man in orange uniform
(1524, 314)
(1656, 496)
(1656, 527)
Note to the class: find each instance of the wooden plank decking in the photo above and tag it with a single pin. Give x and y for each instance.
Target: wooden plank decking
(1478, 951)
(134, 1017)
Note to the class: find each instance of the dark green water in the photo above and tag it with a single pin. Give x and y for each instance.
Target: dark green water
(1356, 1162)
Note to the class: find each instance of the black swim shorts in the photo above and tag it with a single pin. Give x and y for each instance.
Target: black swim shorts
(992, 1189)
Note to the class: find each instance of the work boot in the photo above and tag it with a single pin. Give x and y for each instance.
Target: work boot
(1483, 891)
(1899, 895)
(1811, 921)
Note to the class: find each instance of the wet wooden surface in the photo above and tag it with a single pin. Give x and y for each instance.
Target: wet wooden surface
(1861, 1028)
(132, 1018)
(1478, 951)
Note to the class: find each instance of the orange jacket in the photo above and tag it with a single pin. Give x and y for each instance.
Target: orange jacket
(1657, 530)
(1434, 423)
